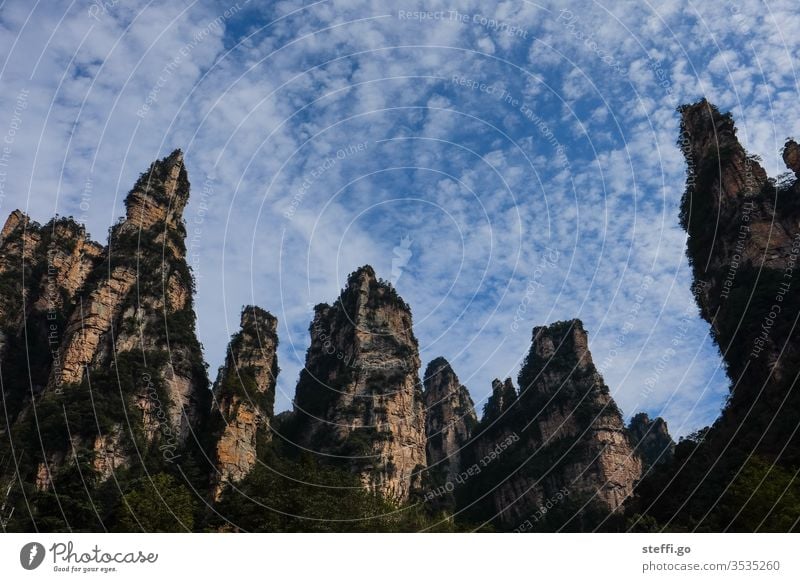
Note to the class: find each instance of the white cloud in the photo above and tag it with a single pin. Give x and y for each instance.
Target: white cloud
(261, 100)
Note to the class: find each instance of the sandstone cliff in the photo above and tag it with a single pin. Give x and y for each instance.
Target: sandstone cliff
(244, 397)
(563, 436)
(42, 271)
(450, 418)
(118, 378)
(359, 399)
(141, 297)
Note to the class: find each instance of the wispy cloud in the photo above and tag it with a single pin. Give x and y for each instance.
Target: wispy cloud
(322, 134)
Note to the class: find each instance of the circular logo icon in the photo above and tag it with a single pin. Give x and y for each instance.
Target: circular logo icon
(31, 555)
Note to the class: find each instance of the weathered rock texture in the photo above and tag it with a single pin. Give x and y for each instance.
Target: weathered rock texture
(244, 397)
(42, 271)
(651, 439)
(744, 245)
(450, 418)
(112, 333)
(359, 398)
(562, 433)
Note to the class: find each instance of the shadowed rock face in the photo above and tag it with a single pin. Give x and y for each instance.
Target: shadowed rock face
(651, 439)
(791, 156)
(244, 397)
(450, 418)
(563, 432)
(503, 397)
(359, 398)
(744, 246)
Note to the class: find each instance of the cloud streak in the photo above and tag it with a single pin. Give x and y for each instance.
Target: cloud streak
(492, 139)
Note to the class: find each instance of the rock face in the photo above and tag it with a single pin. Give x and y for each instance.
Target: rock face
(42, 271)
(359, 399)
(729, 189)
(146, 253)
(244, 397)
(450, 418)
(791, 156)
(744, 244)
(113, 333)
(651, 439)
(91, 323)
(503, 397)
(562, 433)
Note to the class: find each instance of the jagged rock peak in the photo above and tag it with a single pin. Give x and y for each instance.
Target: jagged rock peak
(365, 272)
(253, 349)
(709, 143)
(503, 396)
(359, 395)
(373, 290)
(450, 417)
(651, 439)
(16, 220)
(791, 156)
(564, 405)
(244, 397)
(439, 373)
(565, 341)
(160, 193)
(254, 316)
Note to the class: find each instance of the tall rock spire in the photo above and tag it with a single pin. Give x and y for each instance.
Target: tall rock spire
(244, 397)
(359, 399)
(450, 418)
(128, 332)
(744, 246)
(562, 436)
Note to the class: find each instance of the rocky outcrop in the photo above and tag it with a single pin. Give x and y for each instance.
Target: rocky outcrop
(144, 305)
(112, 330)
(359, 399)
(42, 271)
(744, 245)
(159, 197)
(110, 453)
(450, 418)
(729, 189)
(244, 397)
(91, 323)
(791, 156)
(562, 433)
(503, 397)
(651, 439)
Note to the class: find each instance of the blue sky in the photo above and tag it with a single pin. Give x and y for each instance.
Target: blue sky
(506, 164)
